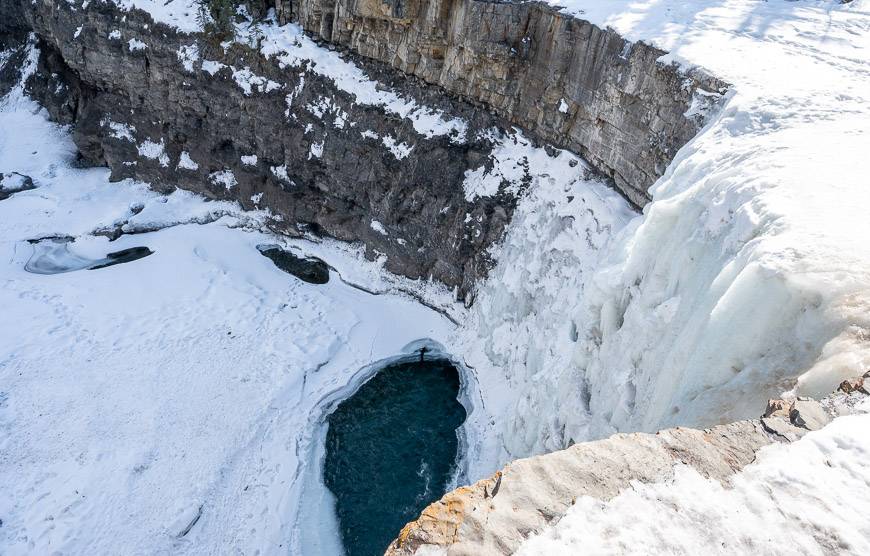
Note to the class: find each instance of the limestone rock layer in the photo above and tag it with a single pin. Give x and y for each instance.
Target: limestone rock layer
(567, 81)
(228, 122)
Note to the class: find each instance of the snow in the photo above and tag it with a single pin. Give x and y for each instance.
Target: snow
(12, 182)
(280, 172)
(249, 160)
(248, 81)
(124, 132)
(398, 149)
(512, 156)
(326, 106)
(291, 47)
(212, 67)
(188, 55)
(809, 497)
(171, 400)
(378, 227)
(187, 163)
(225, 178)
(181, 14)
(316, 150)
(136, 45)
(153, 151)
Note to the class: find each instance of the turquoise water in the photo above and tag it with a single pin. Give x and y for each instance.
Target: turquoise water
(390, 450)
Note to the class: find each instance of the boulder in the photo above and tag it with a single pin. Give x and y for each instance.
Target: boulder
(853, 385)
(808, 414)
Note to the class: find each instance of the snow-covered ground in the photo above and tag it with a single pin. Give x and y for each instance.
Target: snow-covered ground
(137, 397)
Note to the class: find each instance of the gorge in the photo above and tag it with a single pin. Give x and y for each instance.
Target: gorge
(617, 218)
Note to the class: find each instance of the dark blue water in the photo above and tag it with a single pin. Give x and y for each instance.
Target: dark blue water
(390, 450)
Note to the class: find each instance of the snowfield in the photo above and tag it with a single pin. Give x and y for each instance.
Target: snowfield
(167, 405)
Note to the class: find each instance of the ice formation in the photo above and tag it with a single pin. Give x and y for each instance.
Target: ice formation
(746, 277)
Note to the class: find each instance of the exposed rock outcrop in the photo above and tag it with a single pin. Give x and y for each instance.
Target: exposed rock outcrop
(495, 515)
(565, 80)
(13, 182)
(276, 133)
(228, 122)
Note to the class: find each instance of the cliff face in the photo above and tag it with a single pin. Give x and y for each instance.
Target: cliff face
(495, 515)
(276, 133)
(565, 80)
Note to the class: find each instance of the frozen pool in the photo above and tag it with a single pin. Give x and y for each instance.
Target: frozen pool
(391, 449)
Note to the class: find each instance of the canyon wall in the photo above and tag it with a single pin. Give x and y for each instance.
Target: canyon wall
(381, 162)
(565, 80)
(275, 123)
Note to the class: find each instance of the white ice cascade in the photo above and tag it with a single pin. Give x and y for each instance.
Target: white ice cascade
(746, 278)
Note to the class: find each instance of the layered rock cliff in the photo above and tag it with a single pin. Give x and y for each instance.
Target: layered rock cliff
(567, 81)
(275, 133)
(377, 157)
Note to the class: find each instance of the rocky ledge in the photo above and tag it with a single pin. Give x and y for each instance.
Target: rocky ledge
(495, 515)
(332, 146)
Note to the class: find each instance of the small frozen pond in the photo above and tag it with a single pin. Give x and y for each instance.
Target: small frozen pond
(52, 255)
(391, 449)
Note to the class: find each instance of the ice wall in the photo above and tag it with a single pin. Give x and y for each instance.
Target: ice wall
(747, 276)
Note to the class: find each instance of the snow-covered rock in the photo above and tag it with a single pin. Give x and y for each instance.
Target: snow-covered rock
(709, 489)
